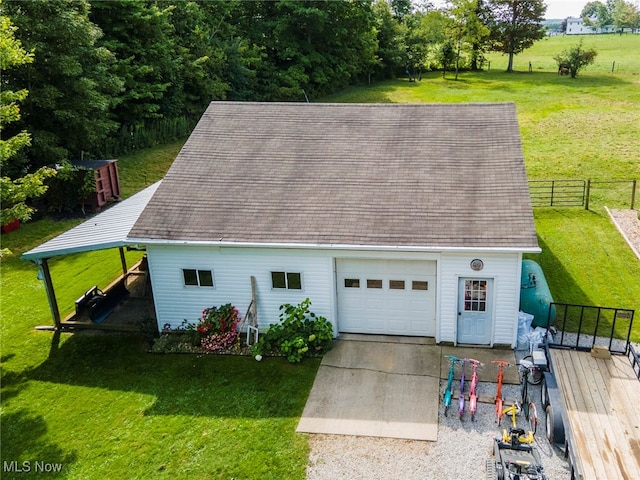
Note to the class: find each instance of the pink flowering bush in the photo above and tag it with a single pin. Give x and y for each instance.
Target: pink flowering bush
(217, 327)
(216, 342)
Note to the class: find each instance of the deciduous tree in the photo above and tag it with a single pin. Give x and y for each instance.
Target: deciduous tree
(390, 33)
(468, 28)
(515, 25)
(596, 14)
(624, 15)
(576, 58)
(309, 48)
(141, 37)
(71, 85)
(14, 192)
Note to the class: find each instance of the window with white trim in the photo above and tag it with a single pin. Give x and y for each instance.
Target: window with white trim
(286, 280)
(475, 295)
(197, 278)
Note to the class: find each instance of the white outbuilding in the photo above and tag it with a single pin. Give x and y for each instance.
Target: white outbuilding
(398, 219)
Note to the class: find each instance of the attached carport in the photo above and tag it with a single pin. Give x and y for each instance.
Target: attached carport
(108, 229)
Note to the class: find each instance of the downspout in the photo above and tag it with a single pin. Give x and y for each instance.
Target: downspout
(44, 274)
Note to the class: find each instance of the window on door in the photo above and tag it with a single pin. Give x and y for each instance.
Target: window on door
(475, 295)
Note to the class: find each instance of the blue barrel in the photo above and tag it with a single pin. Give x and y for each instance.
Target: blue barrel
(535, 296)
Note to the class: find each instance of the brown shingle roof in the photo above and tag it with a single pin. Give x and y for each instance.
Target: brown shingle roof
(446, 175)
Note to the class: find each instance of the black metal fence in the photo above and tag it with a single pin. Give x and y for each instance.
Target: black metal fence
(154, 132)
(558, 193)
(581, 327)
(583, 193)
(634, 358)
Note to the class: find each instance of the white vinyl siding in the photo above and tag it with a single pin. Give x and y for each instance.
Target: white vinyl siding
(324, 280)
(233, 270)
(504, 269)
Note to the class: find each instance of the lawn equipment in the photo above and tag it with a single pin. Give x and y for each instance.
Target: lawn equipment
(514, 460)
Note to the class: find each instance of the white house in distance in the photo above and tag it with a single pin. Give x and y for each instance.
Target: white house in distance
(399, 219)
(576, 26)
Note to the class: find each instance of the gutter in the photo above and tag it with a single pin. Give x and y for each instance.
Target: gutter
(332, 246)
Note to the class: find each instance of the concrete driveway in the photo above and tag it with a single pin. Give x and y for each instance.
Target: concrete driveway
(384, 386)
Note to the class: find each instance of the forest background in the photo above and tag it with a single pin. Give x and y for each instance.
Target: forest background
(101, 78)
(109, 76)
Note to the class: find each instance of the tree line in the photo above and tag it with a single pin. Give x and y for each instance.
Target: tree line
(619, 14)
(94, 78)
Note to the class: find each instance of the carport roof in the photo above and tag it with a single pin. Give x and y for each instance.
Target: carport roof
(107, 229)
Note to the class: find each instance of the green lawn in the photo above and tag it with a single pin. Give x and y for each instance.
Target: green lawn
(615, 52)
(103, 407)
(145, 167)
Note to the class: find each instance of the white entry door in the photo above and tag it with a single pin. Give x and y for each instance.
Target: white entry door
(475, 311)
(390, 297)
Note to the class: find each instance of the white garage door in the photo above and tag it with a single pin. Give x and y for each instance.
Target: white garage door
(391, 297)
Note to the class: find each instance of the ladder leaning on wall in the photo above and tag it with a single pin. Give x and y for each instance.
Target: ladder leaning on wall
(251, 317)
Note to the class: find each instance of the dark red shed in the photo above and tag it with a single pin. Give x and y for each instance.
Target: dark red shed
(107, 182)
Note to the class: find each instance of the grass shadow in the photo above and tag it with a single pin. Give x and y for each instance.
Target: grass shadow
(483, 86)
(182, 384)
(25, 453)
(569, 266)
(561, 283)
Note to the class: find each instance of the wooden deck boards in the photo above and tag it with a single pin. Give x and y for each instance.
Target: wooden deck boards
(602, 400)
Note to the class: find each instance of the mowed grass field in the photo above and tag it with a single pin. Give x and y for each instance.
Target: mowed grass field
(102, 407)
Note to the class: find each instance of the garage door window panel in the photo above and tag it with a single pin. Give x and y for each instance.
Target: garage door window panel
(351, 283)
(374, 283)
(420, 285)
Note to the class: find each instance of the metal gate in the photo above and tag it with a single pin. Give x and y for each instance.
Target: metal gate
(581, 327)
(580, 193)
(557, 193)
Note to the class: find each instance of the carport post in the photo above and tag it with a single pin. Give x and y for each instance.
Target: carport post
(51, 294)
(123, 261)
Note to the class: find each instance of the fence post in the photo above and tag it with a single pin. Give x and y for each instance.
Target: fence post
(586, 200)
(633, 193)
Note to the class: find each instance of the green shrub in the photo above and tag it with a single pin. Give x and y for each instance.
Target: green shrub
(299, 334)
(69, 188)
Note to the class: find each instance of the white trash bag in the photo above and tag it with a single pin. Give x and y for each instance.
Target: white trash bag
(524, 329)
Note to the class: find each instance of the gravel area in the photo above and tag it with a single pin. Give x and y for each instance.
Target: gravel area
(629, 226)
(462, 447)
(460, 452)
